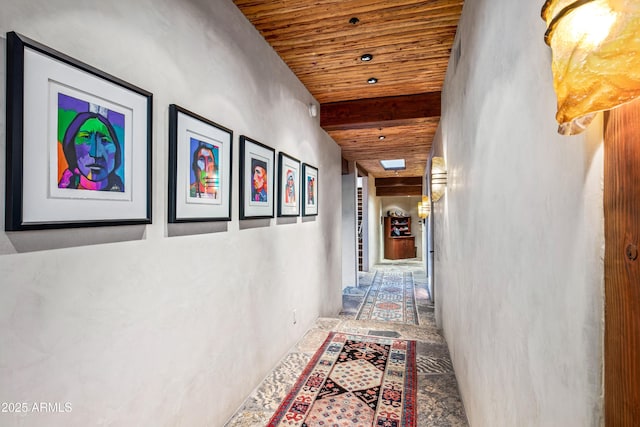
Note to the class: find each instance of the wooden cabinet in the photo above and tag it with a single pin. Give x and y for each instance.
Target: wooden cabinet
(396, 226)
(398, 241)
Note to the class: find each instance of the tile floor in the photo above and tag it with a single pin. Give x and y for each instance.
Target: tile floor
(439, 403)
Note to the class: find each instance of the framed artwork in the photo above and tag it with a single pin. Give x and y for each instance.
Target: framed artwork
(78, 143)
(310, 190)
(200, 154)
(257, 163)
(288, 185)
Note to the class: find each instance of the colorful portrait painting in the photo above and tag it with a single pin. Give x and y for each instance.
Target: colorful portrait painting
(290, 188)
(205, 160)
(259, 189)
(311, 183)
(90, 146)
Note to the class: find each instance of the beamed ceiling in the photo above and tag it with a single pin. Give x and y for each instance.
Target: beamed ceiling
(410, 41)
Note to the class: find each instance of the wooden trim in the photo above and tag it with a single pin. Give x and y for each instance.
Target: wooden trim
(361, 170)
(345, 166)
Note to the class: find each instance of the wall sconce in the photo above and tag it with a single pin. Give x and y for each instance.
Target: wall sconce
(424, 207)
(595, 60)
(438, 178)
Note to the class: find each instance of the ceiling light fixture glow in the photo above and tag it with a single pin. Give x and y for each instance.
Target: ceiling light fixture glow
(372, 80)
(381, 137)
(366, 57)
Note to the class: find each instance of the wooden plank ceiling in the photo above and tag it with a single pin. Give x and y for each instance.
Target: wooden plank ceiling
(322, 42)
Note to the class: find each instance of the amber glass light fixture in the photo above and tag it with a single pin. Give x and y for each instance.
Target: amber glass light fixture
(424, 207)
(595, 47)
(438, 178)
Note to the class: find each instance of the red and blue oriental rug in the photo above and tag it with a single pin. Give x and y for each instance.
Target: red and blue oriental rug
(390, 298)
(354, 381)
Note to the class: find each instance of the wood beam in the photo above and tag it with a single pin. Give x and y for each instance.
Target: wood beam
(406, 190)
(399, 181)
(379, 112)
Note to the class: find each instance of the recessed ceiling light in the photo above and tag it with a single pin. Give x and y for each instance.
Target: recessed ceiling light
(372, 80)
(381, 137)
(366, 57)
(354, 21)
(393, 165)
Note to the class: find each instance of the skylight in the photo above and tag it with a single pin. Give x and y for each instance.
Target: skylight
(393, 165)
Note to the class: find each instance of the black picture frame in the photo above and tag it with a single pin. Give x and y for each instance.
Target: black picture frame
(288, 185)
(309, 184)
(50, 95)
(256, 203)
(210, 199)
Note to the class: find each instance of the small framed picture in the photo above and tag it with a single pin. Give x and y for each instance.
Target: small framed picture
(288, 185)
(310, 190)
(257, 165)
(200, 154)
(78, 143)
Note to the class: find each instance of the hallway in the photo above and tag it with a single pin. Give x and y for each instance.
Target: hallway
(138, 320)
(438, 399)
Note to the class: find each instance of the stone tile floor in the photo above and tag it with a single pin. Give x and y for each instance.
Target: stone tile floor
(439, 403)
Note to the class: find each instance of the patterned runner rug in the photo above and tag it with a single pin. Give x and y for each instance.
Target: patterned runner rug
(354, 381)
(391, 298)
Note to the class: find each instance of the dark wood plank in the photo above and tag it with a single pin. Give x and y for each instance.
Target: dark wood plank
(622, 266)
(379, 112)
(400, 181)
(406, 190)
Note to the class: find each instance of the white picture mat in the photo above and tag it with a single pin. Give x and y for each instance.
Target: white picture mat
(38, 204)
(253, 208)
(310, 208)
(186, 207)
(290, 164)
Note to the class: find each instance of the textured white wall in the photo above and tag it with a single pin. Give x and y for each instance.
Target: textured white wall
(166, 325)
(364, 227)
(349, 241)
(375, 224)
(519, 234)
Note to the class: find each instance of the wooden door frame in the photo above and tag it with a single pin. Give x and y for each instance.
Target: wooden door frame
(622, 266)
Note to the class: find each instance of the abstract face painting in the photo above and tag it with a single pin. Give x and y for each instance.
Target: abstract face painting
(311, 183)
(259, 189)
(204, 182)
(90, 151)
(290, 188)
